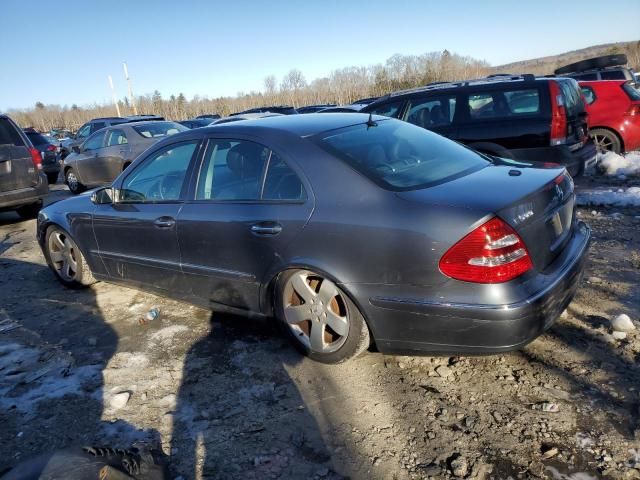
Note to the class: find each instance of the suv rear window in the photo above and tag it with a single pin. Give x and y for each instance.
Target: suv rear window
(631, 90)
(37, 138)
(159, 129)
(504, 103)
(9, 135)
(400, 156)
(612, 75)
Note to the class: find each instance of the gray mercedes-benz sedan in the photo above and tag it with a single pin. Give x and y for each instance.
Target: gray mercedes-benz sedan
(347, 229)
(106, 153)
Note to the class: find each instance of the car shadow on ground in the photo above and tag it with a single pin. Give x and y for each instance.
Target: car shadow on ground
(53, 349)
(251, 424)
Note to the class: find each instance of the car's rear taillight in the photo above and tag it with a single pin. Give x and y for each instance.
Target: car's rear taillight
(558, 115)
(492, 253)
(52, 148)
(633, 110)
(36, 158)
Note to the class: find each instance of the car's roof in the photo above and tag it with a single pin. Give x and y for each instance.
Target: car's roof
(140, 124)
(299, 125)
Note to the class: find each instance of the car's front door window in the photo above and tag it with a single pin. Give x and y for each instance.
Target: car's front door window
(94, 142)
(83, 132)
(160, 177)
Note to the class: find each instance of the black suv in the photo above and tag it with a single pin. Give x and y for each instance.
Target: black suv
(607, 67)
(96, 124)
(48, 150)
(511, 116)
(23, 185)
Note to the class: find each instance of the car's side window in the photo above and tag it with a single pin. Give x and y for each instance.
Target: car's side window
(388, 109)
(432, 112)
(97, 126)
(83, 132)
(501, 104)
(281, 182)
(95, 141)
(232, 170)
(116, 137)
(160, 176)
(589, 95)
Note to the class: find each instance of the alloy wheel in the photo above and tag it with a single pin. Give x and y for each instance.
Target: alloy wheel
(63, 255)
(603, 143)
(316, 312)
(72, 181)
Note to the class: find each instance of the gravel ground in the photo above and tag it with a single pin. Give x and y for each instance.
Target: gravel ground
(227, 397)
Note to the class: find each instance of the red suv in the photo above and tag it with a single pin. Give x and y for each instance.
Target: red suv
(614, 114)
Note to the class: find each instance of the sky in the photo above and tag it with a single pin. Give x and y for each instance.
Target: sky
(61, 52)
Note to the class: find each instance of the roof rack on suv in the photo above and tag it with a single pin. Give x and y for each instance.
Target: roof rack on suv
(526, 77)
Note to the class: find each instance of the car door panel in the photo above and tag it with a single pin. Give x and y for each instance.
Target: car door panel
(229, 244)
(137, 234)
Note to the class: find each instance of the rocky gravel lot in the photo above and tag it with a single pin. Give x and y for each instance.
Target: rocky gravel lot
(228, 398)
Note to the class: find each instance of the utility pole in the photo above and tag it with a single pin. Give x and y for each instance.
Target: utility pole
(131, 100)
(113, 94)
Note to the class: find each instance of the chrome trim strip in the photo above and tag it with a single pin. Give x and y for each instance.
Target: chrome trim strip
(174, 265)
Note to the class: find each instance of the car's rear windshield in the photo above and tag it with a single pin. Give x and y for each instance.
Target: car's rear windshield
(37, 138)
(159, 129)
(400, 156)
(633, 90)
(8, 134)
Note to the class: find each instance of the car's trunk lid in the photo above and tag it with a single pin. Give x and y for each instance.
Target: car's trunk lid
(537, 202)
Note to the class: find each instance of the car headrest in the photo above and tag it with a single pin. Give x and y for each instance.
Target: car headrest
(246, 159)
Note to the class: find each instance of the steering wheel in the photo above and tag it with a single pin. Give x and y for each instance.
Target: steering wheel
(169, 186)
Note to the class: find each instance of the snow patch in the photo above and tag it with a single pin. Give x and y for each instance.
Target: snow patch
(618, 198)
(613, 164)
(557, 475)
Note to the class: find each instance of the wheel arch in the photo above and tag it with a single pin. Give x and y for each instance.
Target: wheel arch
(612, 130)
(268, 290)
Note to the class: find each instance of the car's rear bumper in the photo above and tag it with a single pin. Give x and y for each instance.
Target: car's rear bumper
(24, 196)
(413, 325)
(575, 160)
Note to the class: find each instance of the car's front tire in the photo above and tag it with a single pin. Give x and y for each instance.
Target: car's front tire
(319, 318)
(73, 182)
(66, 260)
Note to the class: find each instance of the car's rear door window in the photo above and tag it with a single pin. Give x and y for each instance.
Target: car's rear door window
(281, 182)
(400, 156)
(432, 112)
(504, 103)
(116, 137)
(232, 170)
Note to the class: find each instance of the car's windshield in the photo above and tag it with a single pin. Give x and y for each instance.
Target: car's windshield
(400, 156)
(159, 129)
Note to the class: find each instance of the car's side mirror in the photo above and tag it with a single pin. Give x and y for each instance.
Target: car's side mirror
(76, 148)
(102, 196)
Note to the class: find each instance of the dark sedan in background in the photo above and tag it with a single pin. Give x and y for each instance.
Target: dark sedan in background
(106, 153)
(346, 228)
(48, 151)
(196, 122)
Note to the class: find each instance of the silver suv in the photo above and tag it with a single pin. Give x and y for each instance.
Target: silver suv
(23, 184)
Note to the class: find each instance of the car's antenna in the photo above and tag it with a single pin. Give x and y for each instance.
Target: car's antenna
(370, 122)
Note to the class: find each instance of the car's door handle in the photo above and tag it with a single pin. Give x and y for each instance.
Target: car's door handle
(164, 222)
(266, 228)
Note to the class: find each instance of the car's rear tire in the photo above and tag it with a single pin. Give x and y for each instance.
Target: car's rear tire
(319, 318)
(73, 182)
(66, 260)
(29, 211)
(605, 140)
(52, 178)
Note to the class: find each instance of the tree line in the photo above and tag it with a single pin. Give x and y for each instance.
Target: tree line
(342, 86)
